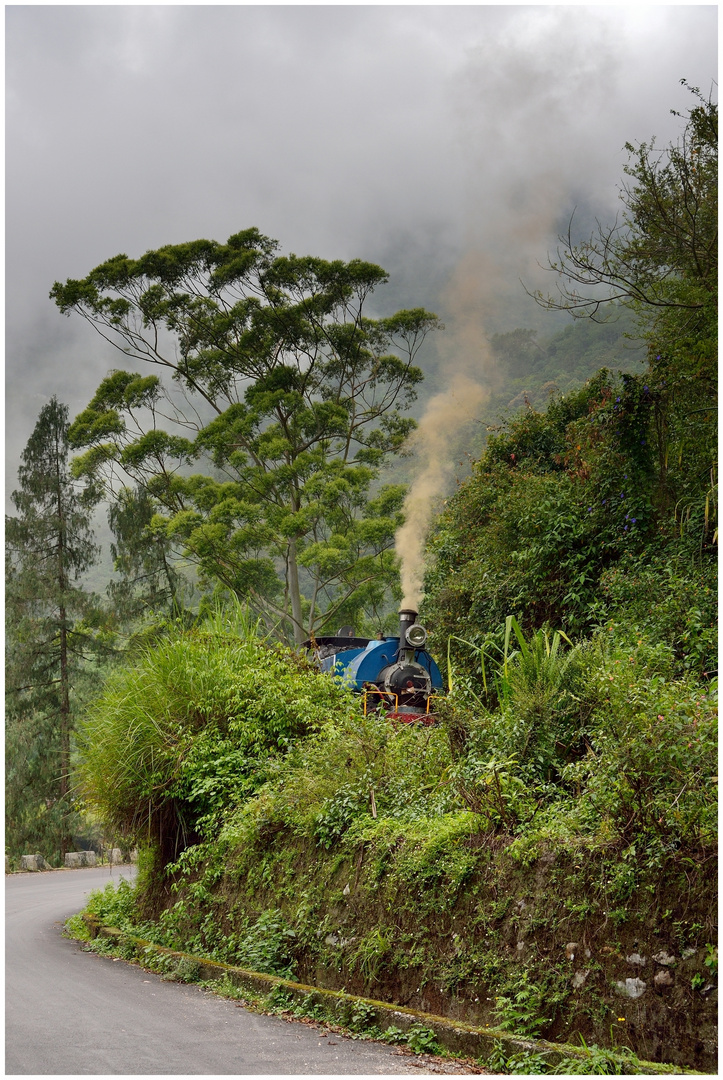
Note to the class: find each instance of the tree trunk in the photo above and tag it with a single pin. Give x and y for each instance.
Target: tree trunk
(64, 787)
(295, 594)
(65, 718)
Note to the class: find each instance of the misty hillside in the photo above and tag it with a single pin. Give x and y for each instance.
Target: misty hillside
(531, 367)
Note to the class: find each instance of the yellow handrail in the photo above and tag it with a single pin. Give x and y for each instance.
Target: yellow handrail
(382, 694)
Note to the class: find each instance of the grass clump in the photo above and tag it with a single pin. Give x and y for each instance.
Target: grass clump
(187, 732)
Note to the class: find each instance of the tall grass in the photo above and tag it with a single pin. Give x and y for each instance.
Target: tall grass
(190, 727)
(538, 664)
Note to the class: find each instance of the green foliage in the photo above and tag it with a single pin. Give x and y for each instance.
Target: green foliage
(57, 638)
(422, 1040)
(394, 1035)
(561, 514)
(266, 946)
(148, 580)
(522, 1009)
(622, 748)
(651, 769)
(711, 959)
(324, 787)
(113, 905)
(597, 1061)
(524, 1063)
(307, 396)
(76, 928)
(667, 599)
(418, 884)
(187, 732)
(362, 1017)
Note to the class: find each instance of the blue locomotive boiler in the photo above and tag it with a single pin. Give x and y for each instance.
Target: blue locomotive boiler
(396, 674)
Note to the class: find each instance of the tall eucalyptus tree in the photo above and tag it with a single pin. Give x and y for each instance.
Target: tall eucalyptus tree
(282, 389)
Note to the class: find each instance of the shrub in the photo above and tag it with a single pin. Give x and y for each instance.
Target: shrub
(187, 732)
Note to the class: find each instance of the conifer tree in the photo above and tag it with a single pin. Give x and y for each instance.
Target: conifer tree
(49, 636)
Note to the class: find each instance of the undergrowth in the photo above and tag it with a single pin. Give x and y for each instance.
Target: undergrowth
(569, 796)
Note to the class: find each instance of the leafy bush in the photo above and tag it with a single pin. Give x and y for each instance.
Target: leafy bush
(266, 946)
(187, 732)
(651, 771)
(114, 905)
(353, 770)
(565, 507)
(668, 599)
(422, 1040)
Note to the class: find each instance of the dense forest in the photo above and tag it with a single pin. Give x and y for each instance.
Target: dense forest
(566, 794)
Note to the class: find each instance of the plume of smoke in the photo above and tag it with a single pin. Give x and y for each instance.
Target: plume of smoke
(467, 373)
(432, 444)
(505, 244)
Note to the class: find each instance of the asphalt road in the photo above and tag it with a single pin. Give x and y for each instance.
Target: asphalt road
(69, 1012)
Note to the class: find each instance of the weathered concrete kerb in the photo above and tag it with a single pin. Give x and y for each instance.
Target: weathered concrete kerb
(463, 1040)
(73, 860)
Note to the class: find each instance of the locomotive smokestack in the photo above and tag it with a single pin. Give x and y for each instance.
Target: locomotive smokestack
(407, 618)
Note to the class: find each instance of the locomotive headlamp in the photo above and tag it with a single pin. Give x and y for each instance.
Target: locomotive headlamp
(416, 636)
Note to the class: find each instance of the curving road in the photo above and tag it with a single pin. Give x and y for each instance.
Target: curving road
(68, 1012)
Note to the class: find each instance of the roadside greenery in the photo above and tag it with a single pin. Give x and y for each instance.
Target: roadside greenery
(190, 729)
(395, 858)
(568, 520)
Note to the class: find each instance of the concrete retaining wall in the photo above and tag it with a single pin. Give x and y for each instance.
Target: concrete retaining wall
(73, 860)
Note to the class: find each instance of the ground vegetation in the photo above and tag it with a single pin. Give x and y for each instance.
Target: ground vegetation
(502, 866)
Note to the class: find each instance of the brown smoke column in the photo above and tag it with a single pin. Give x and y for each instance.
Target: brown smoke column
(467, 369)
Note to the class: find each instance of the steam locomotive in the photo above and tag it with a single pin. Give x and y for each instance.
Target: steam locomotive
(396, 674)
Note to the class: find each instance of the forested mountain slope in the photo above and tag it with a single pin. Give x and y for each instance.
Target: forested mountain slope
(543, 857)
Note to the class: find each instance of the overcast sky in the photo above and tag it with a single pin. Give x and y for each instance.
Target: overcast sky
(447, 143)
